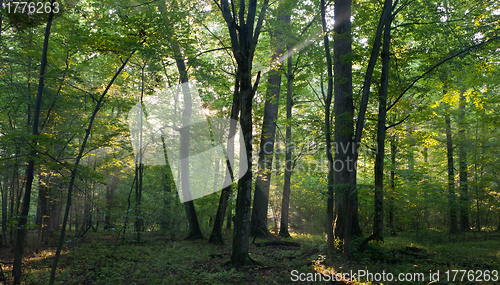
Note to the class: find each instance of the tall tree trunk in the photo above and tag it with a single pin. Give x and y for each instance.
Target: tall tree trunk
(393, 185)
(87, 222)
(239, 254)
(23, 219)
(16, 191)
(463, 172)
(110, 195)
(216, 235)
(285, 204)
(451, 175)
(328, 140)
(139, 172)
(194, 227)
(263, 176)
(4, 190)
(43, 193)
(229, 217)
(344, 125)
(378, 221)
(476, 182)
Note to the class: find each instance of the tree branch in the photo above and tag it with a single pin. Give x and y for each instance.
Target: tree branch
(423, 23)
(258, 28)
(438, 64)
(256, 84)
(393, 125)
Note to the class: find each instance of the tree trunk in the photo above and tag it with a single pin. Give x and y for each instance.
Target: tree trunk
(393, 186)
(498, 227)
(229, 217)
(462, 158)
(378, 221)
(239, 255)
(344, 125)
(451, 175)
(139, 172)
(328, 140)
(263, 176)
(110, 195)
(194, 227)
(43, 193)
(216, 235)
(4, 190)
(15, 193)
(23, 219)
(285, 204)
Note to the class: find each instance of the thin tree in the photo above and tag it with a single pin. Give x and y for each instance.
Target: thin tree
(463, 171)
(23, 219)
(393, 185)
(194, 226)
(328, 140)
(139, 170)
(74, 170)
(378, 221)
(263, 176)
(285, 202)
(216, 235)
(451, 170)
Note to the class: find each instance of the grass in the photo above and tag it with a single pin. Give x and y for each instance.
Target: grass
(427, 252)
(99, 259)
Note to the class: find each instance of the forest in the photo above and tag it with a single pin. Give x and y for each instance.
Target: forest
(250, 142)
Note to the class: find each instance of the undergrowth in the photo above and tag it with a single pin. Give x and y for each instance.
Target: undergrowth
(100, 259)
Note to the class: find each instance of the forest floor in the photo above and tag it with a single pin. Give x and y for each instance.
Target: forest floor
(101, 258)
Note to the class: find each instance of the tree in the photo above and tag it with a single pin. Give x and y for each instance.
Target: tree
(451, 173)
(21, 233)
(244, 39)
(216, 235)
(263, 175)
(463, 168)
(288, 151)
(378, 221)
(328, 140)
(194, 227)
(77, 162)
